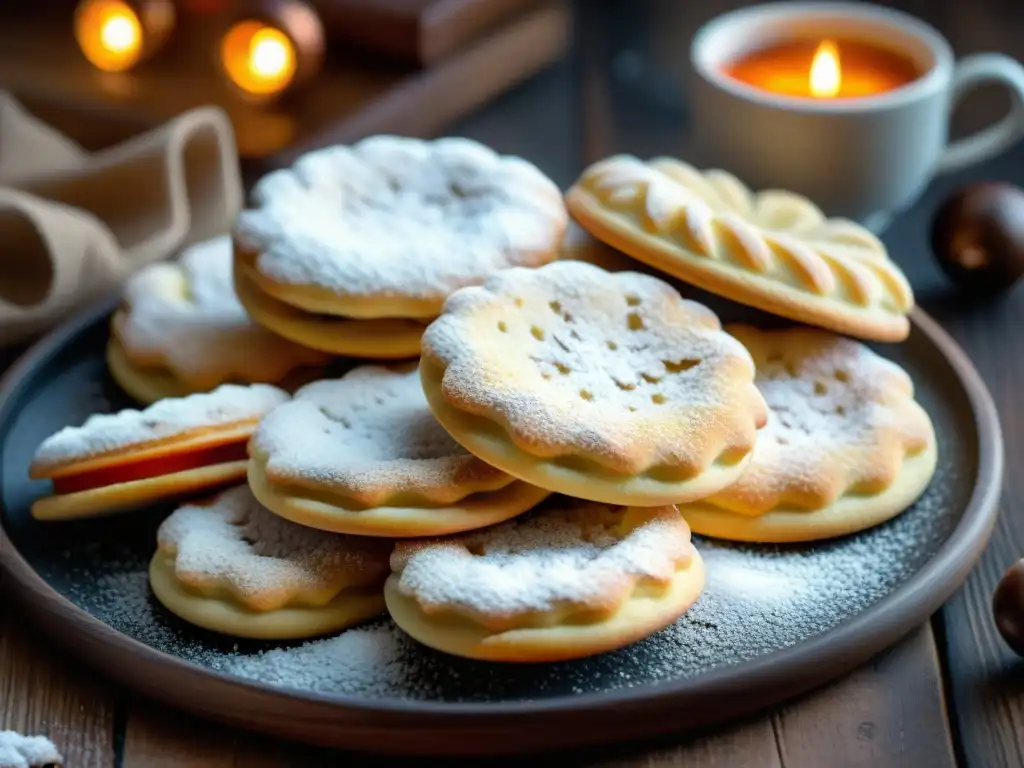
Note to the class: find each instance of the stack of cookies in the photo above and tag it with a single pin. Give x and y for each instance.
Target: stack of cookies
(526, 489)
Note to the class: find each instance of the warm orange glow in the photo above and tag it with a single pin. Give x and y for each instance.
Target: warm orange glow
(826, 76)
(259, 59)
(109, 34)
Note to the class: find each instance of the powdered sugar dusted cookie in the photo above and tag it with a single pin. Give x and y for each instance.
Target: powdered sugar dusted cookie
(389, 226)
(17, 751)
(601, 386)
(385, 338)
(571, 579)
(364, 455)
(131, 458)
(181, 330)
(229, 565)
(772, 250)
(846, 446)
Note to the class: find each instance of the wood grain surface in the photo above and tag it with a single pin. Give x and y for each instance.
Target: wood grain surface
(40, 694)
(952, 696)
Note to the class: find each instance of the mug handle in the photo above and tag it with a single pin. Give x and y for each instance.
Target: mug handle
(971, 72)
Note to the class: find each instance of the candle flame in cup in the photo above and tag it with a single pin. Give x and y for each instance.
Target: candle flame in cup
(826, 76)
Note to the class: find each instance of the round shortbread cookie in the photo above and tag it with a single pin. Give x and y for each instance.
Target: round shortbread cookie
(364, 455)
(173, 448)
(386, 338)
(571, 579)
(846, 446)
(230, 566)
(389, 226)
(602, 386)
(771, 250)
(181, 329)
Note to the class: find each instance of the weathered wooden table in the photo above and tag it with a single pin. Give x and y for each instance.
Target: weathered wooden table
(950, 694)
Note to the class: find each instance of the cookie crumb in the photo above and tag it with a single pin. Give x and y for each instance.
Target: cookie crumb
(18, 751)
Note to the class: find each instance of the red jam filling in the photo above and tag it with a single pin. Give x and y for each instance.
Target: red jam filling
(149, 468)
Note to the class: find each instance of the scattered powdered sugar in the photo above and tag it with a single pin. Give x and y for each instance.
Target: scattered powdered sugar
(233, 541)
(17, 751)
(120, 596)
(786, 593)
(841, 417)
(186, 314)
(569, 357)
(401, 217)
(361, 661)
(108, 432)
(369, 434)
(567, 555)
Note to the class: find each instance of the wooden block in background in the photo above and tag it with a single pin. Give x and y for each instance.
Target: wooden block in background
(352, 97)
(421, 32)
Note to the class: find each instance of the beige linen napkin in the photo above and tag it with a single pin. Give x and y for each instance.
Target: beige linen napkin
(74, 224)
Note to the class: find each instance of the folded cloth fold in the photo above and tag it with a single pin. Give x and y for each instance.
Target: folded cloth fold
(74, 224)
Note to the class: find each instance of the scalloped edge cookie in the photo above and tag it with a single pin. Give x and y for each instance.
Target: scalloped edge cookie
(849, 512)
(697, 226)
(643, 612)
(181, 330)
(571, 471)
(526, 217)
(298, 617)
(396, 497)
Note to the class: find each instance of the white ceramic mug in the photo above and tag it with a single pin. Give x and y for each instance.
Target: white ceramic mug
(863, 158)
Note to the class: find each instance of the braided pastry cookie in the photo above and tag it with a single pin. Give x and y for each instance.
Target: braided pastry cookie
(382, 231)
(846, 446)
(771, 250)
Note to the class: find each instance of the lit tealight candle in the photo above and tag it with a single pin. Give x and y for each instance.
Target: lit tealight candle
(825, 69)
(268, 53)
(115, 35)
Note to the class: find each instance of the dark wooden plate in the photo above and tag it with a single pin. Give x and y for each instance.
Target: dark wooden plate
(774, 621)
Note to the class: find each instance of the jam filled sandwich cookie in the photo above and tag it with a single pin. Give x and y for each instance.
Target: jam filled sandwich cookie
(846, 446)
(181, 330)
(571, 579)
(364, 455)
(602, 386)
(354, 249)
(771, 250)
(173, 448)
(228, 565)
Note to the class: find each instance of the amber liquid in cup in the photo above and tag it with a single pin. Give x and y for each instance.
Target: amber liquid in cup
(784, 68)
